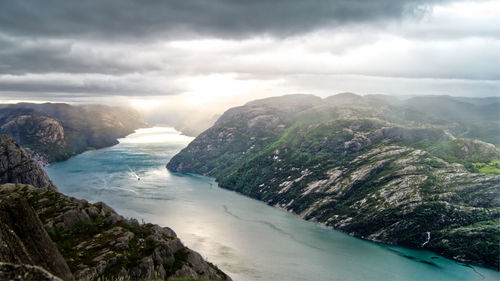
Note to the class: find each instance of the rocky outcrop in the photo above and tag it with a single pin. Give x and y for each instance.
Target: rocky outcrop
(270, 111)
(23, 239)
(92, 242)
(53, 132)
(99, 244)
(17, 167)
(25, 128)
(24, 272)
(370, 168)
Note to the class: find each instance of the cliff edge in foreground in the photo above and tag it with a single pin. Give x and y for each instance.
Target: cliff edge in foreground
(45, 235)
(92, 240)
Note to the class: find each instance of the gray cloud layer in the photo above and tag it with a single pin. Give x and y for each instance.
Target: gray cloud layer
(131, 19)
(123, 47)
(227, 18)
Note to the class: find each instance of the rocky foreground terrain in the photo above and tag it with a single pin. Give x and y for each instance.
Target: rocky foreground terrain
(45, 235)
(55, 131)
(368, 166)
(92, 242)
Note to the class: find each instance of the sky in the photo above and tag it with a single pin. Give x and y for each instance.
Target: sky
(205, 55)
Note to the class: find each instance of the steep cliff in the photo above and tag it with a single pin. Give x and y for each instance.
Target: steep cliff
(364, 165)
(23, 239)
(24, 272)
(17, 167)
(93, 239)
(45, 235)
(53, 132)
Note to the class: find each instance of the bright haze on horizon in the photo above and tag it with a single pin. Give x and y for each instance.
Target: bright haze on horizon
(208, 55)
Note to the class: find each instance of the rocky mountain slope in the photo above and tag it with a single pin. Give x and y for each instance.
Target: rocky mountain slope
(92, 242)
(477, 118)
(17, 167)
(53, 132)
(368, 166)
(45, 235)
(24, 272)
(24, 239)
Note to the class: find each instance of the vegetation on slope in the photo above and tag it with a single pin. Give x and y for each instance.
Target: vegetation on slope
(98, 244)
(92, 242)
(372, 168)
(54, 132)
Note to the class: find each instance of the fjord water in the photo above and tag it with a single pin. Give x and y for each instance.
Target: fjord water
(244, 237)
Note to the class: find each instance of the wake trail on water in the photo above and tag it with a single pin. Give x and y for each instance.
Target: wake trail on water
(103, 179)
(110, 188)
(272, 226)
(133, 173)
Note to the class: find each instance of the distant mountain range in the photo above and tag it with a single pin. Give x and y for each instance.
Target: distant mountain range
(55, 131)
(421, 172)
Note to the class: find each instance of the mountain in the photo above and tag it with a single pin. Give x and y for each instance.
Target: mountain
(24, 239)
(373, 167)
(55, 131)
(479, 101)
(45, 235)
(468, 117)
(17, 167)
(92, 242)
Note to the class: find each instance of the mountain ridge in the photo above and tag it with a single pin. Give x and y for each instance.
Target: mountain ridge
(52, 132)
(373, 171)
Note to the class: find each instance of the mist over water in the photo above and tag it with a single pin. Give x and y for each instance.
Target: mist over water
(244, 237)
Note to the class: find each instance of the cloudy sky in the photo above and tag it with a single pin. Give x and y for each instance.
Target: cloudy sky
(201, 53)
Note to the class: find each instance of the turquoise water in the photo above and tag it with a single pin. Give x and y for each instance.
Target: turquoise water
(244, 237)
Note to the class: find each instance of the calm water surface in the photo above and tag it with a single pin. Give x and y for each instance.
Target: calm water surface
(244, 237)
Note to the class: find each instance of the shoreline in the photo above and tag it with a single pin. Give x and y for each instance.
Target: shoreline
(42, 161)
(461, 262)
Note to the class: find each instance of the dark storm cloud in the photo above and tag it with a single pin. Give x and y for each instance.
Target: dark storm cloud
(131, 19)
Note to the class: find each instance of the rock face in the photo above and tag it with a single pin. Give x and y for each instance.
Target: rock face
(23, 239)
(17, 167)
(24, 272)
(43, 129)
(94, 241)
(363, 165)
(72, 239)
(53, 132)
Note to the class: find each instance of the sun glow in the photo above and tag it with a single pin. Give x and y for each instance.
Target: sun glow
(144, 104)
(209, 90)
(156, 135)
